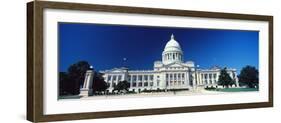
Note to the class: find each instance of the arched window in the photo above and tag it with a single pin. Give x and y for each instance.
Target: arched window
(173, 56)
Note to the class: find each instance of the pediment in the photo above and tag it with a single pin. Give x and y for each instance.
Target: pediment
(176, 64)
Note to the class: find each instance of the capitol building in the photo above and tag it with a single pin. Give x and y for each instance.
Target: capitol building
(170, 73)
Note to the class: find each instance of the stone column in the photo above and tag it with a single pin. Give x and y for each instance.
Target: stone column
(236, 79)
(131, 81)
(169, 79)
(142, 81)
(111, 83)
(177, 79)
(137, 82)
(218, 74)
(168, 55)
(207, 78)
(195, 78)
(122, 77)
(186, 75)
(198, 78)
(210, 79)
(87, 89)
(174, 79)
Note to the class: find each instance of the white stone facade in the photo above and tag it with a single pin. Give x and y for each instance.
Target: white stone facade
(170, 73)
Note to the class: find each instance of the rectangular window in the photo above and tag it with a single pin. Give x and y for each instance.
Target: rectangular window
(114, 78)
(145, 77)
(134, 78)
(146, 84)
(140, 77)
(139, 84)
(151, 83)
(129, 78)
(134, 84)
(151, 77)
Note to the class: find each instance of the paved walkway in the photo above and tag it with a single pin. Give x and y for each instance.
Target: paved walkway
(150, 94)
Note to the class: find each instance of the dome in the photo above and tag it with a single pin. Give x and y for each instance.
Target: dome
(172, 52)
(172, 45)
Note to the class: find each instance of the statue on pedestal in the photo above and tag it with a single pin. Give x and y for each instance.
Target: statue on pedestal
(87, 89)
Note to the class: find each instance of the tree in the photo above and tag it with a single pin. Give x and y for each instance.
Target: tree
(64, 85)
(123, 85)
(224, 78)
(76, 76)
(98, 83)
(249, 75)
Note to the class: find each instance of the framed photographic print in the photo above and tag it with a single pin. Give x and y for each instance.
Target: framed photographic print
(96, 61)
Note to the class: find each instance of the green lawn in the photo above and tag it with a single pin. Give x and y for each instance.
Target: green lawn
(236, 89)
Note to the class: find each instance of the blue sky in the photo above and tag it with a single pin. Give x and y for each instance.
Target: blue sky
(105, 46)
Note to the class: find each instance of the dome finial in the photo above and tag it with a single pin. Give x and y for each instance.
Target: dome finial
(172, 36)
